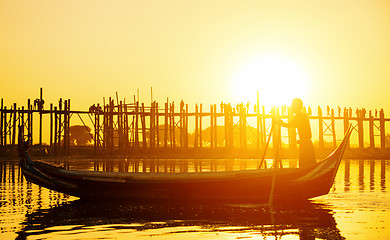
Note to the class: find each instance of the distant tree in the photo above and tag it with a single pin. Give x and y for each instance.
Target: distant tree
(80, 135)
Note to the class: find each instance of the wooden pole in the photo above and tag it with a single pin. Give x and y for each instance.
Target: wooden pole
(241, 119)
(333, 128)
(65, 127)
(105, 114)
(231, 127)
(22, 117)
(59, 124)
(107, 128)
(14, 125)
(143, 124)
(346, 124)
(382, 128)
(1, 123)
(152, 136)
(196, 127)
(212, 126)
(157, 124)
(31, 124)
(276, 140)
(320, 129)
(28, 121)
(5, 125)
(51, 125)
(244, 113)
(173, 125)
(200, 125)
(96, 133)
(68, 128)
(121, 128)
(181, 126)
(360, 128)
(215, 127)
(258, 121)
(263, 134)
(136, 136)
(126, 123)
(97, 123)
(186, 130)
(371, 130)
(226, 113)
(166, 125)
(111, 126)
(40, 108)
(55, 131)
(292, 132)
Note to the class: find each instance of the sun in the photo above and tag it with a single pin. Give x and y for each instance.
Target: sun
(277, 78)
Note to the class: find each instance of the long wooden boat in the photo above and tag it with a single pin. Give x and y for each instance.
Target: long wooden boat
(231, 186)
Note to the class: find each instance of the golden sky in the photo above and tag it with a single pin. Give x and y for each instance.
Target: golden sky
(326, 52)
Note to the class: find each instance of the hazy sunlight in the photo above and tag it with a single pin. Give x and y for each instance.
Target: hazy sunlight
(277, 78)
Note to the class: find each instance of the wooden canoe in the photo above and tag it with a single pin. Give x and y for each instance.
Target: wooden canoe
(230, 186)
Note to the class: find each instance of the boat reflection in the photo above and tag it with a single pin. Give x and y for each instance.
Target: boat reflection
(306, 220)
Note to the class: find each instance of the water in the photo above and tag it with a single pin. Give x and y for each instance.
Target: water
(357, 207)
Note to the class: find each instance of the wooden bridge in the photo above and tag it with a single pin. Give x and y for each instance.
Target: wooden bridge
(120, 127)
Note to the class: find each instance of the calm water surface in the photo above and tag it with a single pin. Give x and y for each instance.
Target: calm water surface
(358, 207)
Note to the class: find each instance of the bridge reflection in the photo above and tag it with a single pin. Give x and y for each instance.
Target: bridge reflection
(364, 174)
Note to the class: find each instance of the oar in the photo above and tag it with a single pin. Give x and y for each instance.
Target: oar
(266, 147)
(276, 161)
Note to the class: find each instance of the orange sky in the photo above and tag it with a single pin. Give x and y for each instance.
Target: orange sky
(193, 50)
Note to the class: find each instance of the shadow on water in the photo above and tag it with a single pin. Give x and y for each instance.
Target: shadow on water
(306, 220)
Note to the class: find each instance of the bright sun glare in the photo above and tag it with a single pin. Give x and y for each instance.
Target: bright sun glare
(277, 78)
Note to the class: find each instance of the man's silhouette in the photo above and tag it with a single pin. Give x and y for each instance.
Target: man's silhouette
(301, 121)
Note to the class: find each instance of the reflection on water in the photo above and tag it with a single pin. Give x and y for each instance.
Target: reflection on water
(82, 218)
(357, 202)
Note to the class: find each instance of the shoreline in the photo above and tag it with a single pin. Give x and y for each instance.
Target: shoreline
(87, 152)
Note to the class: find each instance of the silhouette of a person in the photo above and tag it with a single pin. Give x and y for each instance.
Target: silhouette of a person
(301, 121)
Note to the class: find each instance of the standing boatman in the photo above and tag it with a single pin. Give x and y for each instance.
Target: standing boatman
(307, 157)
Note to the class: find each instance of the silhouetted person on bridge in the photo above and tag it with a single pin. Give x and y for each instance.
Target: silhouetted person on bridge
(301, 121)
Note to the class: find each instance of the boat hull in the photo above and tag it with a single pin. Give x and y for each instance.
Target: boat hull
(234, 186)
